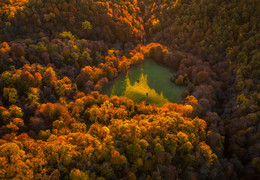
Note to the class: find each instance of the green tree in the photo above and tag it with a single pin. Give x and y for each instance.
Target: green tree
(86, 25)
(10, 94)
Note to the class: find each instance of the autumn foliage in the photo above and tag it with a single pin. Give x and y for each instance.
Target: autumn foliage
(57, 58)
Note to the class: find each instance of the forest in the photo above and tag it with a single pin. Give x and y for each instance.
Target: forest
(57, 58)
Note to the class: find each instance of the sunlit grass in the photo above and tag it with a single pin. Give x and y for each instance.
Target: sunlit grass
(140, 91)
(149, 82)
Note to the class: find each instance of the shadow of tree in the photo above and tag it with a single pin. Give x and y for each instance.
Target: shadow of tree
(149, 82)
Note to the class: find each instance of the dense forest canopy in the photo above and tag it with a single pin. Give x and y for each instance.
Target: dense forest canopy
(57, 56)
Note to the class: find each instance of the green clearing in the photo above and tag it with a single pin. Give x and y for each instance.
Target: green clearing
(148, 82)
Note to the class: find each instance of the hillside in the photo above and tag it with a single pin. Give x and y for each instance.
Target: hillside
(58, 56)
